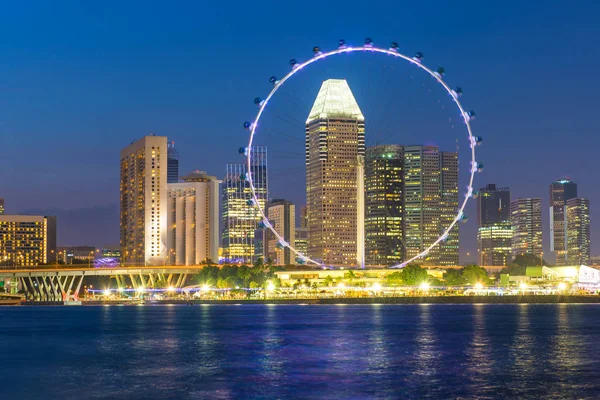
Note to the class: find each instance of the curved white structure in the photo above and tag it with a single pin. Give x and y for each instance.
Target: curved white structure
(392, 51)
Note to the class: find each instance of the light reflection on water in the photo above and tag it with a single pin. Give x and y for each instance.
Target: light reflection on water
(349, 352)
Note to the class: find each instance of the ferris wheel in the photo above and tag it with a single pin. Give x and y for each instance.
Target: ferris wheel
(367, 47)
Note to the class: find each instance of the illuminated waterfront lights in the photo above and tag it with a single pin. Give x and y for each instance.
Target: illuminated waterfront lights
(478, 286)
(562, 286)
(424, 286)
(120, 290)
(376, 286)
(341, 285)
(205, 288)
(170, 289)
(523, 286)
(106, 292)
(270, 286)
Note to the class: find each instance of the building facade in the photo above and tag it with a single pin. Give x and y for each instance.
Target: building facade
(577, 221)
(335, 149)
(1, 206)
(144, 202)
(301, 240)
(193, 219)
(560, 192)
(494, 234)
(384, 205)
(242, 236)
(282, 216)
(526, 219)
(172, 163)
(430, 203)
(27, 240)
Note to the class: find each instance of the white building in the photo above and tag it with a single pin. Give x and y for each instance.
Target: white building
(193, 219)
(144, 202)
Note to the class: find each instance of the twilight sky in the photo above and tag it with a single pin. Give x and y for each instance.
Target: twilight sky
(81, 80)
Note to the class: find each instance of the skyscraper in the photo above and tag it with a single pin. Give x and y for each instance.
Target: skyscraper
(526, 218)
(282, 216)
(335, 149)
(577, 213)
(1, 205)
(560, 191)
(384, 205)
(27, 240)
(193, 219)
(449, 248)
(494, 235)
(303, 217)
(240, 216)
(172, 163)
(430, 203)
(144, 202)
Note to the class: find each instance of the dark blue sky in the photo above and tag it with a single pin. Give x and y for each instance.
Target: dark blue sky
(80, 81)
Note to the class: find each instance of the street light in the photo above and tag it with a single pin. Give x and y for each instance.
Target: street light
(424, 286)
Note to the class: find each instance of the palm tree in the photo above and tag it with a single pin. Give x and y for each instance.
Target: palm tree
(328, 280)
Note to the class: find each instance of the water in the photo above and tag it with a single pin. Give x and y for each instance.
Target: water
(302, 352)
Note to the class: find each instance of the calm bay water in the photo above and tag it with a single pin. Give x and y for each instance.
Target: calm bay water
(294, 351)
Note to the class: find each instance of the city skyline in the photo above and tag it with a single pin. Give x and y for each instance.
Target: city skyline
(536, 125)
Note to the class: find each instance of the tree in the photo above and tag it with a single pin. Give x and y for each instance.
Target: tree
(328, 280)
(413, 275)
(528, 260)
(350, 276)
(393, 279)
(454, 277)
(473, 274)
(514, 270)
(258, 263)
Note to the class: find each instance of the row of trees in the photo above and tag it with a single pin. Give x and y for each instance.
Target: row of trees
(413, 275)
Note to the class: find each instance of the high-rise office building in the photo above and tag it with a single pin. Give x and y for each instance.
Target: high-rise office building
(1, 205)
(430, 203)
(494, 235)
(577, 221)
(193, 219)
(303, 217)
(384, 205)
(144, 202)
(241, 218)
(301, 240)
(526, 219)
(27, 240)
(282, 216)
(449, 248)
(335, 149)
(560, 191)
(172, 163)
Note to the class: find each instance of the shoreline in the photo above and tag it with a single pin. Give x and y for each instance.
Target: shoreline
(527, 299)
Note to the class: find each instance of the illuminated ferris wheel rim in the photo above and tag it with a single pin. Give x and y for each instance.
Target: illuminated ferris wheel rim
(368, 47)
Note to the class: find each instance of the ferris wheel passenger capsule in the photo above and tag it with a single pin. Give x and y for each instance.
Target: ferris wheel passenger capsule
(294, 63)
(250, 202)
(281, 244)
(440, 72)
(317, 51)
(368, 42)
(300, 260)
(341, 44)
(274, 80)
(463, 217)
(247, 125)
(418, 57)
(258, 101)
(457, 92)
(470, 115)
(475, 194)
(444, 238)
(243, 151)
(394, 46)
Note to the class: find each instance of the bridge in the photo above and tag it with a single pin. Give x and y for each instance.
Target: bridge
(63, 284)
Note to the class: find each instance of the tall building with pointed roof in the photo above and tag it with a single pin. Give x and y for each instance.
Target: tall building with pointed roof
(335, 149)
